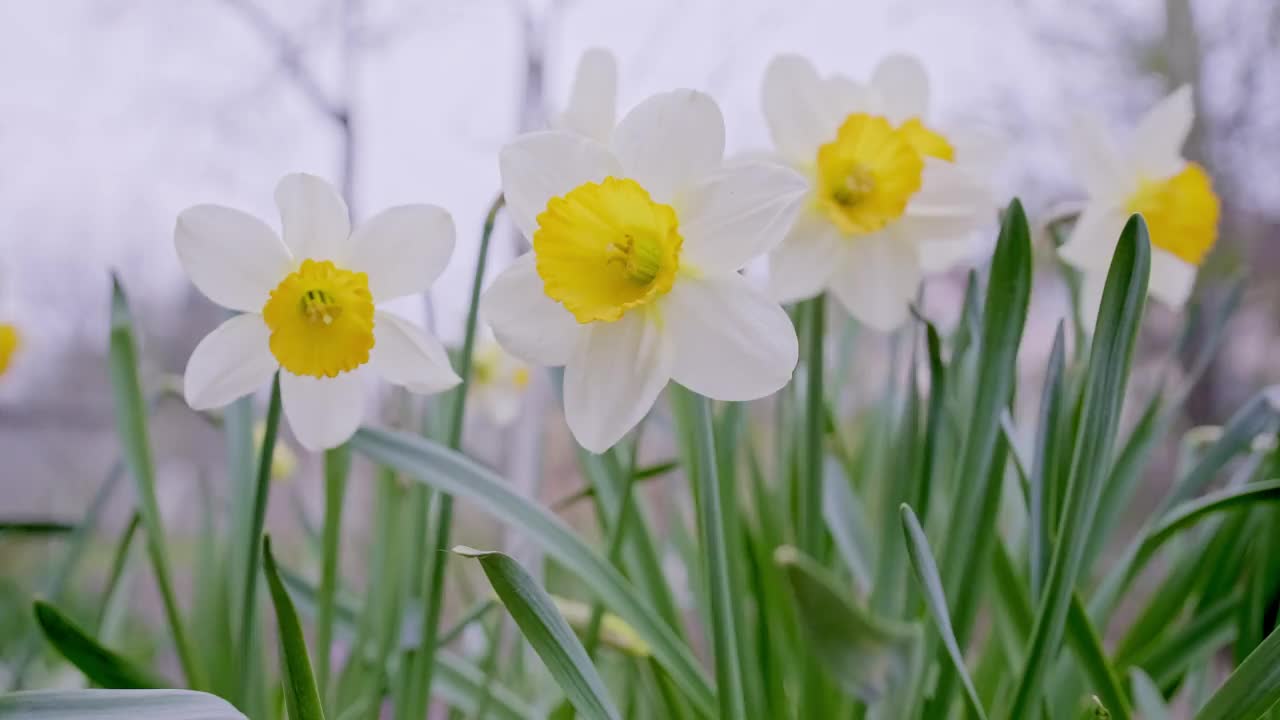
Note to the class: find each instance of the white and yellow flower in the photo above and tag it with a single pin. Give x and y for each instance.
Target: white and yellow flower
(309, 300)
(1147, 175)
(890, 197)
(498, 380)
(593, 99)
(633, 279)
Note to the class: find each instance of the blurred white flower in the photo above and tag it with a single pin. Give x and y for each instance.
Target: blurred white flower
(498, 380)
(308, 303)
(1146, 175)
(284, 463)
(890, 197)
(593, 100)
(633, 278)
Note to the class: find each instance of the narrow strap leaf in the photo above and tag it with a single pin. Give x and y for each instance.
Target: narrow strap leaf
(547, 632)
(300, 695)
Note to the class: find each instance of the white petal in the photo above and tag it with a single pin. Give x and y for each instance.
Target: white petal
(230, 256)
(323, 412)
(1092, 283)
(951, 202)
(843, 96)
(592, 108)
(314, 217)
(671, 141)
(795, 107)
(979, 150)
(615, 375)
(1171, 278)
(402, 249)
(1161, 133)
(801, 265)
(730, 341)
(938, 256)
(902, 85)
(738, 214)
(539, 166)
(526, 322)
(1093, 239)
(230, 362)
(1102, 168)
(876, 280)
(404, 354)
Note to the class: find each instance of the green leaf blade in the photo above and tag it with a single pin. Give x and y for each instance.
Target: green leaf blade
(547, 632)
(301, 697)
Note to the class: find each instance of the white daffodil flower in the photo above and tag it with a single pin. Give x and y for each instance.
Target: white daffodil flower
(593, 100)
(1149, 176)
(890, 197)
(498, 380)
(633, 279)
(309, 304)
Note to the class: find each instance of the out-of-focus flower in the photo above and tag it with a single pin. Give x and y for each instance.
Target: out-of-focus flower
(309, 304)
(593, 100)
(10, 340)
(633, 278)
(1146, 175)
(283, 460)
(890, 196)
(498, 380)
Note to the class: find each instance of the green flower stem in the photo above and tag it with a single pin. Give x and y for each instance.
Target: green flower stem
(617, 533)
(443, 522)
(694, 415)
(811, 523)
(248, 608)
(337, 464)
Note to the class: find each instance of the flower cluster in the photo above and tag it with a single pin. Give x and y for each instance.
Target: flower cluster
(639, 230)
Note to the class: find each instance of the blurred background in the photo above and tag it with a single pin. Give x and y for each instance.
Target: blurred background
(118, 114)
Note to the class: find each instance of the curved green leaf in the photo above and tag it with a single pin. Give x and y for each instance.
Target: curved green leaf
(135, 441)
(1250, 691)
(970, 531)
(936, 600)
(547, 632)
(866, 655)
(300, 695)
(1119, 317)
(100, 665)
(116, 705)
(452, 472)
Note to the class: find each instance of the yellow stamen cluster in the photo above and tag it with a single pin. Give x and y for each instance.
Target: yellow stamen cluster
(321, 320)
(867, 175)
(1181, 213)
(605, 248)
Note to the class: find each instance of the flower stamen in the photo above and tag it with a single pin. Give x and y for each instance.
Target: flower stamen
(321, 320)
(605, 248)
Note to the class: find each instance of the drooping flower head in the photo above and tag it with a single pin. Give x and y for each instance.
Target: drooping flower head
(633, 278)
(309, 302)
(1146, 175)
(890, 195)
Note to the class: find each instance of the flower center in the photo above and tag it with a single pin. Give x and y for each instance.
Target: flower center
(605, 248)
(9, 342)
(869, 172)
(321, 320)
(1181, 213)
